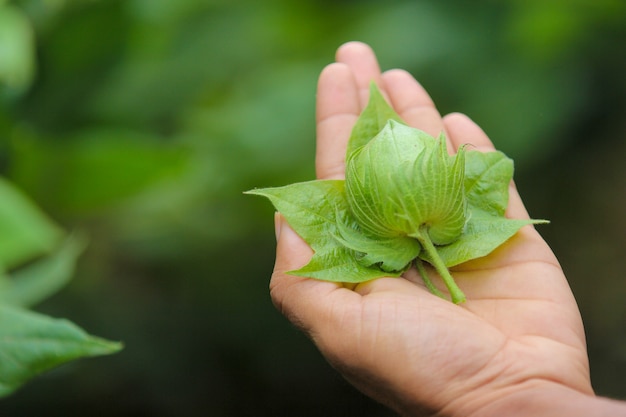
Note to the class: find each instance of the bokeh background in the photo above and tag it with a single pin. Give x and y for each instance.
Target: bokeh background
(140, 123)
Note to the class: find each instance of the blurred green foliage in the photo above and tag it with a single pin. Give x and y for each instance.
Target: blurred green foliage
(36, 261)
(142, 121)
(16, 48)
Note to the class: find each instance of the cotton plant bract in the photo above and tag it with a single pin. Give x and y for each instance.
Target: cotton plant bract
(404, 201)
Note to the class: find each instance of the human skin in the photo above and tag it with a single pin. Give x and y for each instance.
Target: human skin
(515, 347)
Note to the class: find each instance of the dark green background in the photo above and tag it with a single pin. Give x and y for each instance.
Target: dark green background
(146, 119)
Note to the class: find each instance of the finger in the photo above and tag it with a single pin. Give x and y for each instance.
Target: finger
(462, 130)
(304, 301)
(364, 65)
(412, 102)
(338, 108)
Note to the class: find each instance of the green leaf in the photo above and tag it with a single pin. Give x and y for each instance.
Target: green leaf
(483, 233)
(31, 343)
(487, 179)
(25, 232)
(34, 283)
(309, 207)
(372, 120)
(312, 209)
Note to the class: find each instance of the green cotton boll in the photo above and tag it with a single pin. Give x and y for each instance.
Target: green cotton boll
(404, 183)
(404, 201)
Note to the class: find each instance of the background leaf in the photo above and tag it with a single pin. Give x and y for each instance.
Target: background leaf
(41, 279)
(25, 231)
(31, 343)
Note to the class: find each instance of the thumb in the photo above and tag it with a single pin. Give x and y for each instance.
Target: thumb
(302, 300)
(291, 251)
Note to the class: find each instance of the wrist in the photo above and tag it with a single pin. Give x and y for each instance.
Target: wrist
(544, 399)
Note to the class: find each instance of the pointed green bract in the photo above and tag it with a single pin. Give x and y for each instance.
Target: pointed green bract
(391, 255)
(372, 120)
(404, 199)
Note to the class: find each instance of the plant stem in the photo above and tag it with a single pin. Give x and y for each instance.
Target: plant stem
(455, 292)
(429, 284)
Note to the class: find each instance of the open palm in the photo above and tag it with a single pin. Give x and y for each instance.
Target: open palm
(520, 329)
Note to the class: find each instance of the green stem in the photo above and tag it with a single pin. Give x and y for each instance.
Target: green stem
(455, 292)
(429, 284)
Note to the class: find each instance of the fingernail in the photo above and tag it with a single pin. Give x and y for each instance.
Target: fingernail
(278, 223)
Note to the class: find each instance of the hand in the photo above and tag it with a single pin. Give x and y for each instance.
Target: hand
(519, 335)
